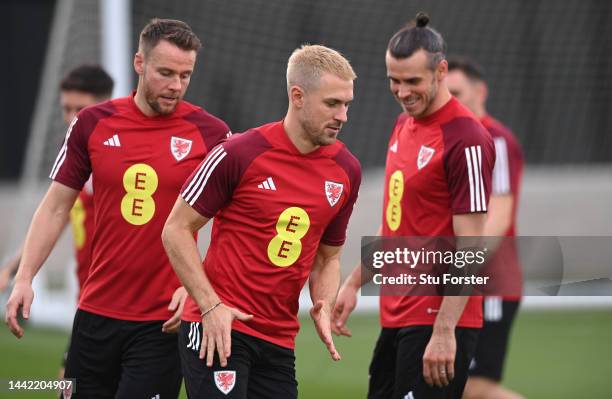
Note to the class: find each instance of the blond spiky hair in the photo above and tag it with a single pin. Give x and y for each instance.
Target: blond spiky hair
(309, 62)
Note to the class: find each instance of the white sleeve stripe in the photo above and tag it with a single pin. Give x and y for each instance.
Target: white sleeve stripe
(473, 157)
(202, 167)
(61, 156)
(212, 168)
(196, 178)
(476, 172)
(482, 187)
(501, 171)
(189, 193)
(469, 167)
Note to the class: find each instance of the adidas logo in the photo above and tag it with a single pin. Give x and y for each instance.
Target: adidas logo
(267, 184)
(113, 141)
(393, 147)
(155, 397)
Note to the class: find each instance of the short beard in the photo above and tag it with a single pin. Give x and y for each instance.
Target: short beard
(152, 101)
(312, 133)
(432, 94)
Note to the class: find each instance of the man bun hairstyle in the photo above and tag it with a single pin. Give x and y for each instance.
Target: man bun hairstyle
(90, 79)
(421, 19)
(175, 31)
(416, 35)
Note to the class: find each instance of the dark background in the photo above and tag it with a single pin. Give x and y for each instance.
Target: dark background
(24, 31)
(548, 64)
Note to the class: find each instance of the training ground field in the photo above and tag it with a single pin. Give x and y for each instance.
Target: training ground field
(553, 354)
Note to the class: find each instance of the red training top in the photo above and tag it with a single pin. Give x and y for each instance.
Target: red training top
(138, 165)
(272, 207)
(437, 166)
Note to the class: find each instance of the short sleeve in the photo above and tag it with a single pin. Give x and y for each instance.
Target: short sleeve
(72, 166)
(212, 183)
(335, 233)
(469, 161)
(212, 129)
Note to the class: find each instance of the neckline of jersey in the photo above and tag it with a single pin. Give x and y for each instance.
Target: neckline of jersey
(435, 116)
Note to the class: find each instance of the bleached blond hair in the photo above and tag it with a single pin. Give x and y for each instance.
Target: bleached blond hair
(309, 62)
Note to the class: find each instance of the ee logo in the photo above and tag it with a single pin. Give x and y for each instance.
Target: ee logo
(140, 182)
(285, 248)
(394, 207)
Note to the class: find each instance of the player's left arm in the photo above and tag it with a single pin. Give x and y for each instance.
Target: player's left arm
(324, 283)
(469, 164)
(439, 357)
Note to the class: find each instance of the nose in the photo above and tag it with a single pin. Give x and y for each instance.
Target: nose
(342, 114)
(175, 83)
(403, 91)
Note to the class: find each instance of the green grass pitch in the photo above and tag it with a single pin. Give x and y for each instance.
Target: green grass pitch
(554, 354)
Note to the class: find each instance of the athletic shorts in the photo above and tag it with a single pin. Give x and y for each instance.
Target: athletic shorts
(396, 370)
(111, 358)
(491, 349)
(256, 369)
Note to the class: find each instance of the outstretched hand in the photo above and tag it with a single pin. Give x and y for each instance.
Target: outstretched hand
(322, 321)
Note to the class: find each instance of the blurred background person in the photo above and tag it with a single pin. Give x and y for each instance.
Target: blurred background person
(82, 86)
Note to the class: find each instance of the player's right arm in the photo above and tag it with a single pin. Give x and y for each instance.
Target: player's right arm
(182, 250)
(47, 224)
(347, 298)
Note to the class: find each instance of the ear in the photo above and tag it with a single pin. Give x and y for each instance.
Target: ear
(442, 70)
(483, 91)
(296, 96)
(139, 63)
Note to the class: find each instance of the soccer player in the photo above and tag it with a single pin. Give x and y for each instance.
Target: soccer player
(139, 149)
(438, 178)
(466, 82)
(281, 195)
(83, 86)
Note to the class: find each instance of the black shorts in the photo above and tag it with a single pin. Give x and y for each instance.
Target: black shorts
(111, 358)
(396, 370)
(490, 352)
(256, 368)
